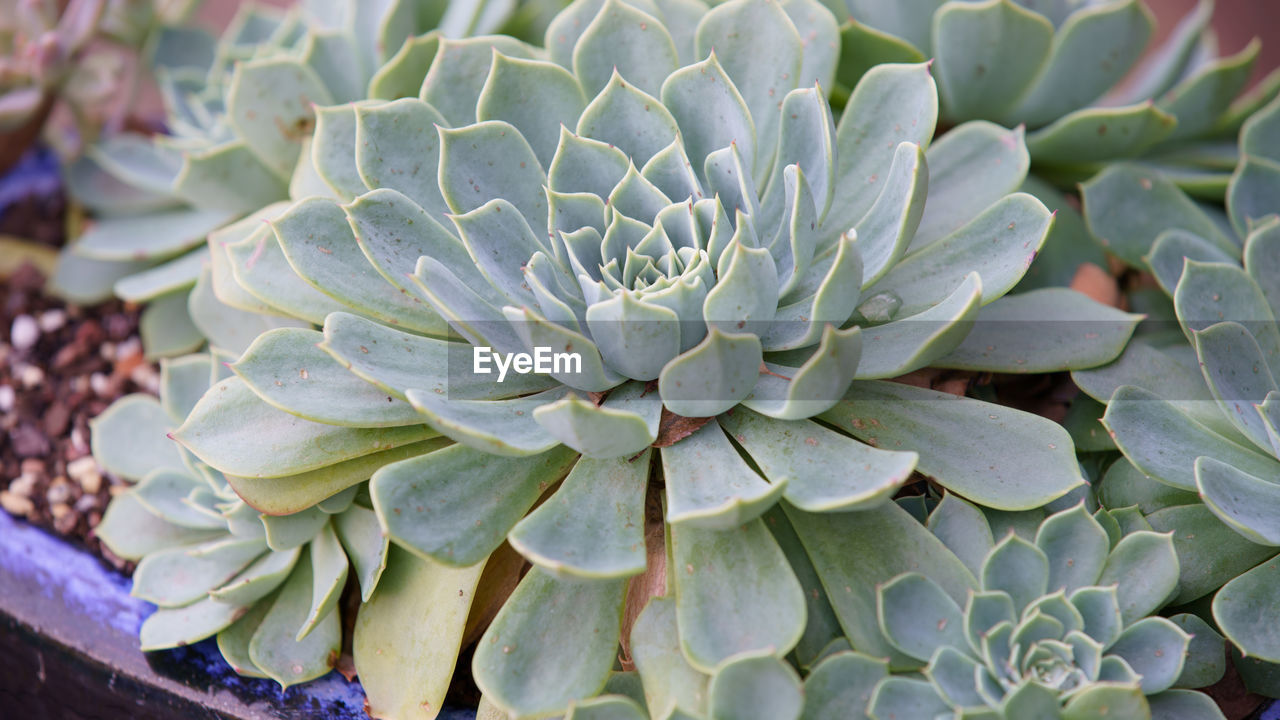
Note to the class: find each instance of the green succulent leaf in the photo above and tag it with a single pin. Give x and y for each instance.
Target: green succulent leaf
(593, 527)
(1092, 50)
(1097, 135)
(130, 438)
(1118, 699)
(175, 627)
(709, 485)
(367, 548)
(1210, 553)
(274, 648)
(286, 368)
(999, 244)
(235, 431)
(892, 416)
(1126, 208)
(867, 140)
(1164, 443)
(456, 78)
(813, 462)
(1017, 568)
(1198, 101)
(735, 593)
(918, 617)
(291, 493)
(458, 487)
(756, 686)
(269, 103)
(1155, 648)
(392, 153)
(970, 168)
(408, 632)
(671, 685)
(1184, 705)
(514, 663)
(625, 40)
(1240, 609)
(1144, 568)
(182, 575)
(1076, 547)
(964, 529)
(1070, 331)
(854, 551)
(842, 685)
(987, 54)
(898, 696)
(534, 96)
(1206, 657)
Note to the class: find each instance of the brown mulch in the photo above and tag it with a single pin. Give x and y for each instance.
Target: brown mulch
(61, 365)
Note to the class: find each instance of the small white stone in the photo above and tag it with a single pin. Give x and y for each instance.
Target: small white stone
(58, 492)
(129, 348)
(30, 376)
(77, 469)
(78, 442)
(7, 398)
(16, 504)
(53, 320)
(100, 385)
(23, 484)
(24, 333)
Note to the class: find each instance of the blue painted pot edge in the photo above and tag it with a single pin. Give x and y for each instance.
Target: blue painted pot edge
(68, 580)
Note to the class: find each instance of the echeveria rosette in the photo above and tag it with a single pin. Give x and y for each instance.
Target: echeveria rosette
(1057, 68)
(776, 263)
(239, 115)
(266, 586)
(1195, 407)
(1054, 620)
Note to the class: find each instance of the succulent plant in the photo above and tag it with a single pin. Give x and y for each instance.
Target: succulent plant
(725, 263)
(1057, 68)
(63, 72)
(240, 112)
(1056, 622)
(1198, 422)
(266, 586)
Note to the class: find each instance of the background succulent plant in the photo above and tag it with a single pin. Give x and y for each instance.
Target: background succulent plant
(1055, 620)
(1197, 422)
(267, 587)
(240, 112)
(774, 263)
(67, 69)
(1057, 68)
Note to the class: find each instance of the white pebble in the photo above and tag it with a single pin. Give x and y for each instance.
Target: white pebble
(53, 320)
(24, 333)
(7, 398)
(16, 504)
(100, 385)
(30, 376)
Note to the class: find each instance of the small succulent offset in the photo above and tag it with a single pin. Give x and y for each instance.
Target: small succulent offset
(1203, 420)
(1056, 67)
(1059, 624)
(240, 112)
(267, 587)
(726, 263)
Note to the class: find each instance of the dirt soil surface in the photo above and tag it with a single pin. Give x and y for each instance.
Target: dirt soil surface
(60, 365)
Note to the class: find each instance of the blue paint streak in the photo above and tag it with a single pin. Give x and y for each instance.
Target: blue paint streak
(1272, 713)
(101, 596)
(35, 174)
